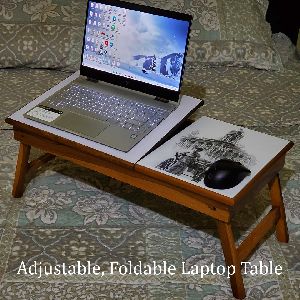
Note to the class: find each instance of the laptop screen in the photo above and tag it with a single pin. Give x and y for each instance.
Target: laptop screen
(137, 44)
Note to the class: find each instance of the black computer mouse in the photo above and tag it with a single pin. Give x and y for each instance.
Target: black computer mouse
(225, 174)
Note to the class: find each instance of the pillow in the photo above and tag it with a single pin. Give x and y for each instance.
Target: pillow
(41, 33)
(264, 4)
(49, 33)
(240, 36)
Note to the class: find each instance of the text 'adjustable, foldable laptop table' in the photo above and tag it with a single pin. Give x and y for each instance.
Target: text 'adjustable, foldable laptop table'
(207, 136)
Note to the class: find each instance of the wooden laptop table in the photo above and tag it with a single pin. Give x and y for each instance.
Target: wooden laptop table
(219, 207)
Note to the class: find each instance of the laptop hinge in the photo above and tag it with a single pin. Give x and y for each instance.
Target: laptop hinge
(161, 99)
(91, 79)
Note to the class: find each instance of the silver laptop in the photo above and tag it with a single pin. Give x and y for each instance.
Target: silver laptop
(131, 71)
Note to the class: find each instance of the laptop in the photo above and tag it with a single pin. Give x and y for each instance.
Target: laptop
(131, 72)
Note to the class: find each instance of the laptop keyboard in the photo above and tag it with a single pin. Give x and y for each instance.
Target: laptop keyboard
(135, 116)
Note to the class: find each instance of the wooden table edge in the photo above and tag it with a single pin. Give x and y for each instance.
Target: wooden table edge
(184, 185)
(255, 180)
(21, 127)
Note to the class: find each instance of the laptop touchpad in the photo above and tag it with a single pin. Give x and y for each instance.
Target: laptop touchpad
(80, 124)
(117, 137)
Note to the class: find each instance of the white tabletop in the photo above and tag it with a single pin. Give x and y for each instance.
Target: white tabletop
(214, 140)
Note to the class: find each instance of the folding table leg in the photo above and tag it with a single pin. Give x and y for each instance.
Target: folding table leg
(277, 202)
(231, 258)
(21, 168)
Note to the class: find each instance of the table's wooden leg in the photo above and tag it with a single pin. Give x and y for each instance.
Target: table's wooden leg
(21, 168)
(277, 202)
(231, 258)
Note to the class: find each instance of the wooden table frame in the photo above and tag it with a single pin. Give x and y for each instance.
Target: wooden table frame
(219, 207)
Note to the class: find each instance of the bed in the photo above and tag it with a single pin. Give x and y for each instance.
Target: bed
(245, 75)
